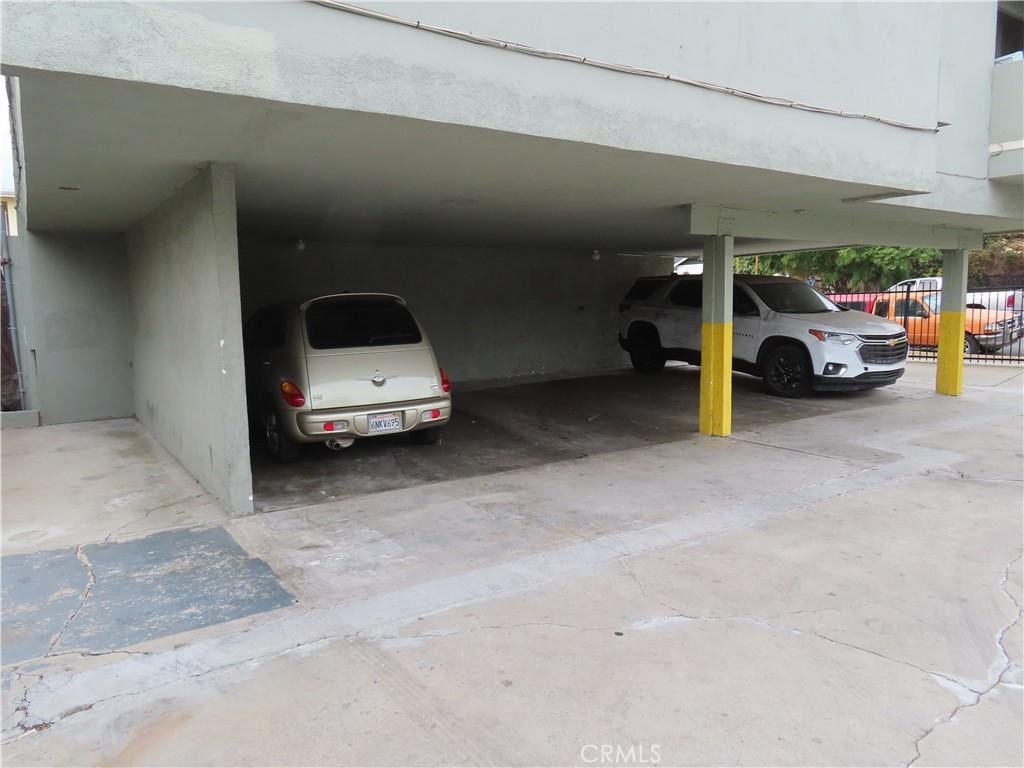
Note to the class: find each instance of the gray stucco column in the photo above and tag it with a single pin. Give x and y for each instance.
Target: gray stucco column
(188, 361)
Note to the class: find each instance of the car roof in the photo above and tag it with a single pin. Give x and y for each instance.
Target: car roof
(349, 295)
(749, 279)
(762, 279)
(911, 294)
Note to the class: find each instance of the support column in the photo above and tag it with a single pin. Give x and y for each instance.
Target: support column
(949, 372)
(716, 337)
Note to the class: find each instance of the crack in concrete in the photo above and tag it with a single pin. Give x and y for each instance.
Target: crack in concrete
(84, 560)
(765, 621)
(1008, 663)
(147, 513)
(24, 725)
(492, 627)
(42, 725)
(879, 654)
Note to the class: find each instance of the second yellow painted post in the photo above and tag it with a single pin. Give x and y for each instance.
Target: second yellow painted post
(949, 368)
(716, 337)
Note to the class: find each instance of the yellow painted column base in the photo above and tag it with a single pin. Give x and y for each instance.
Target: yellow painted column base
(716, 379)
(949, 370)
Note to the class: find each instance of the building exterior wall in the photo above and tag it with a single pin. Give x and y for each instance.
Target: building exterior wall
(490, 313)
(1007, 125)
(880, 59)
(74, 324)
(966, 101)
(189, 374)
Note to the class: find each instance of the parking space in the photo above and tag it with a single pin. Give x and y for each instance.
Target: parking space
(516, 426)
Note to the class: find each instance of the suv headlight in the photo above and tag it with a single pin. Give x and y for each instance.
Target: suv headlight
(846, 339)
(993, 327)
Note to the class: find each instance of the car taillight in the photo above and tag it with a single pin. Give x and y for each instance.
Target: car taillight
(1009, 300)
(446, 385)
(292, 394)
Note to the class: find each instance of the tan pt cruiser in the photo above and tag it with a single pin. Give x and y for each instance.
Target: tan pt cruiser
(341, 367)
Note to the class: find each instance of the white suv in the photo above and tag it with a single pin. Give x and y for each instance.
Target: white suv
(784, 331)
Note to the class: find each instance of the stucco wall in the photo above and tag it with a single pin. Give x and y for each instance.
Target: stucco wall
(490, 313)
(74, 324)
(189, 374)
(877, 58)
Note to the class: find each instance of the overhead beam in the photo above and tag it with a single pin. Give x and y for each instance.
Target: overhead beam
(803, 225)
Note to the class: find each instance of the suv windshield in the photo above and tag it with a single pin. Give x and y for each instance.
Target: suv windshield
(360, 321)
(793, 298)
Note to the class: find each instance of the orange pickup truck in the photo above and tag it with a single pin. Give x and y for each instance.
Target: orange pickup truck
(985, 330)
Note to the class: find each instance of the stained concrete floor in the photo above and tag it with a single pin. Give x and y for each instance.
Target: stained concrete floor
(497, 429)
(840, 582)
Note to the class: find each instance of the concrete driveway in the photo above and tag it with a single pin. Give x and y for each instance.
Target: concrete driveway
(840, 582)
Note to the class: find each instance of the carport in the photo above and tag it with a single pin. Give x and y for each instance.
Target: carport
(174, 213)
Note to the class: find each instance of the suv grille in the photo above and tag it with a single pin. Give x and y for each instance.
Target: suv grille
(883, 350)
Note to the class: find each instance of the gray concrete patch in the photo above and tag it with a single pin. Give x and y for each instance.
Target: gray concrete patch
(40, 591)
(108, 596)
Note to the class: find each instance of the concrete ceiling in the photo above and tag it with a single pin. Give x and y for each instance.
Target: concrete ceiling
(312, 173)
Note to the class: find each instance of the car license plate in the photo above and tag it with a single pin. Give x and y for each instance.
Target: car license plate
(385, 422)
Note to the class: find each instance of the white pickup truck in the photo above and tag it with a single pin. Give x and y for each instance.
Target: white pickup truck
(784, 331)
(1001, 299)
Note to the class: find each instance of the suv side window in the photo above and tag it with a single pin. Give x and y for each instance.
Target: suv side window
(644, 287)
(742, 304)
(882, 307)
(688, 293)
(911, 308)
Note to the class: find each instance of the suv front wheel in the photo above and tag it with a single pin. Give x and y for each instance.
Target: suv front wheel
(645, 350)
(787, 371)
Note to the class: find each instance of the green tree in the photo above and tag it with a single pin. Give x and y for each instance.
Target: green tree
(876, 267)
(1000, 262)
(849, 269)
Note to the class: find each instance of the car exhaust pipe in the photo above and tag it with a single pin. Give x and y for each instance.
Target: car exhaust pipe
(336, 444)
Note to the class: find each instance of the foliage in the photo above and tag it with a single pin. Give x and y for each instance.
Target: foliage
(1002, 255)
(869, 268)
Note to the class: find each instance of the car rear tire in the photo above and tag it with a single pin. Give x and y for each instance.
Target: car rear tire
(971, 345)
(281, 448)
(645, 350)
(425, 436)
(787, 371)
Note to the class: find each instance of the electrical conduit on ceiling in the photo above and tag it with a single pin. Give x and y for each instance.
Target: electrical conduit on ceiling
(469, 37)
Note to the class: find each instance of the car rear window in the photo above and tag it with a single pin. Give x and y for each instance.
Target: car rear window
(644, 287)
(360, 321)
